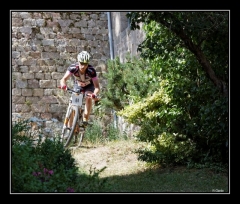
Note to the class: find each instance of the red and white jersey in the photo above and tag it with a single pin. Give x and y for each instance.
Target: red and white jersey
(87, 78)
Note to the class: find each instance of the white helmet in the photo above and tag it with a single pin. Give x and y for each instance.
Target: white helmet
(83, 57)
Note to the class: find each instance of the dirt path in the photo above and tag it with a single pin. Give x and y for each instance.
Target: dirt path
(118, 158)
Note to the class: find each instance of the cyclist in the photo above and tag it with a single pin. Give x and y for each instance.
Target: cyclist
(85, 77)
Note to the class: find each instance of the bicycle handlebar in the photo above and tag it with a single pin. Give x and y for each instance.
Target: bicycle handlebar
(78, 91)
(71, 90)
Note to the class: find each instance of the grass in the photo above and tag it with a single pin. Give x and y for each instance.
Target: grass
(100, 165)
(125, 174)
(169, 181)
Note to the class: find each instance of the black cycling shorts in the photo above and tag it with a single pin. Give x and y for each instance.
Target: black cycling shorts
(87, 88)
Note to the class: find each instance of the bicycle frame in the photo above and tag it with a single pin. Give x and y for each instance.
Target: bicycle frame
(75, 100)
(73, 116)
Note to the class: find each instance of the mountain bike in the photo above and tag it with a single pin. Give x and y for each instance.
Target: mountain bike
(73, 121)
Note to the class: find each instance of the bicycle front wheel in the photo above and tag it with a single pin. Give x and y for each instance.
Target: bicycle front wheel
(67, 132)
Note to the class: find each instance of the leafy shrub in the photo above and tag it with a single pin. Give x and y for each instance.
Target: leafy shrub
(94, 134)
(45, 165)
(167, 150)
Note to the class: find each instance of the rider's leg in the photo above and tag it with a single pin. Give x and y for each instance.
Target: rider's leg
(88, 102)
(88, 107)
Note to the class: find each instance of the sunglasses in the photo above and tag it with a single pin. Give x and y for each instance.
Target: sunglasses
(83, 63)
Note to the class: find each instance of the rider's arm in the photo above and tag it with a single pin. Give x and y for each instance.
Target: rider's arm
(63, 81)
(96, 85)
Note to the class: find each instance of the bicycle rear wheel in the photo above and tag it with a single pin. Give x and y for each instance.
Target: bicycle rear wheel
(67, 132)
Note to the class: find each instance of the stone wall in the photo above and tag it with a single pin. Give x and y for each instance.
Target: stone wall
(124, 41)
(44, 44)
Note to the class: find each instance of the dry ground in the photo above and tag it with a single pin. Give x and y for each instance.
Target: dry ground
(118, 158)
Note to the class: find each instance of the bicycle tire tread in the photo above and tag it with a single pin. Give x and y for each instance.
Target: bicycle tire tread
(74, 122)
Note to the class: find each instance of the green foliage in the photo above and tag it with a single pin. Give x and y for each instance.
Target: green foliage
(127, 82)
(115, 93)
(46, 166)
(204, 34)
(150, 107)
(166, 149)
(94, 133)
(114, 134)
(181, 104)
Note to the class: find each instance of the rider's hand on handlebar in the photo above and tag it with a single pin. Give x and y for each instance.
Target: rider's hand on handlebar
(64, 87)
(94, 96)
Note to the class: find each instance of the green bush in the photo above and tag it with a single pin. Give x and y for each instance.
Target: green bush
(44, 165)
(94, 133)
